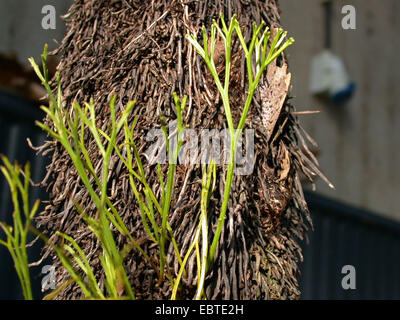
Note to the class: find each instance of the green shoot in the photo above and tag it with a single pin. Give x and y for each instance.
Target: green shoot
(69, 131)
(22, 217)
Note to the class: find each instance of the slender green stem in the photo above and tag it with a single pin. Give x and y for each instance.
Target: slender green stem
(222, 215)
(173, 158)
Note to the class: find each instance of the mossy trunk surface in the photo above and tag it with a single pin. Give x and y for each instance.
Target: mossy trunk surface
(138, 50)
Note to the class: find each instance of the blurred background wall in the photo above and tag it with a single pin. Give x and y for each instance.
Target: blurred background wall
(359, 140)
(21, 30)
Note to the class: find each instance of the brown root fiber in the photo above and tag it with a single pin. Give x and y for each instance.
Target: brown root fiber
(137, 50)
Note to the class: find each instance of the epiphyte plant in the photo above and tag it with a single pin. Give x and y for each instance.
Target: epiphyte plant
(258, 54)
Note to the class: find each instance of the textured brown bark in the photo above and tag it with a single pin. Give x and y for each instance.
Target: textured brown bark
(138, 50)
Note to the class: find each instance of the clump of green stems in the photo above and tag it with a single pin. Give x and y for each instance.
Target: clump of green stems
(22, 217)
(258, 52)
(69, 129)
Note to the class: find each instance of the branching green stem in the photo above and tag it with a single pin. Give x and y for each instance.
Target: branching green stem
(257, 48)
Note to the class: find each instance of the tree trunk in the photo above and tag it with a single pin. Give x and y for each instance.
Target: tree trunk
(138, 50)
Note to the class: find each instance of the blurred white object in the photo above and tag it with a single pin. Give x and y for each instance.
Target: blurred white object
(329, 75)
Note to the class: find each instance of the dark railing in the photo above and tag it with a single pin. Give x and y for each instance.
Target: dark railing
(343, 235)
(348, 236)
